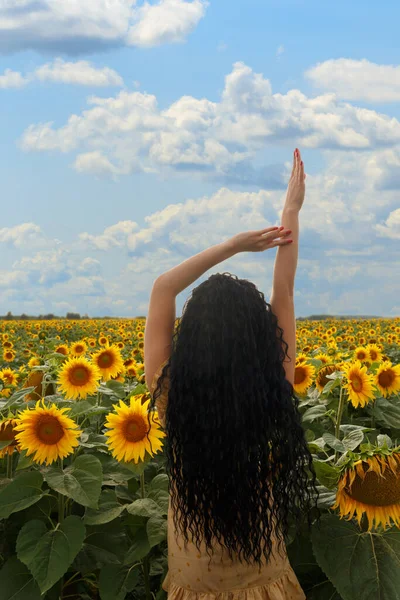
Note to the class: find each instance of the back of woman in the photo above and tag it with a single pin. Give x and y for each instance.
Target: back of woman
(239, 466)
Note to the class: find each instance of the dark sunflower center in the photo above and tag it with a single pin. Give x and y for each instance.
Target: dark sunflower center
(7, 433)
(376, 490)
(79, 348)
(386, 378)
(8, 354)
(322, 376)
(49, 430)
(135, 429)
(61, 351)
(373, 354)
(361, 355)
(356, 383)
(105, 360)
(299, 375)
(79, 376)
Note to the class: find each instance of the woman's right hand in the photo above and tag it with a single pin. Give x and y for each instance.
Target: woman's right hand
(297, 187)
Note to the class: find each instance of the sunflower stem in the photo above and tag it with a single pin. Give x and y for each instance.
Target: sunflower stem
(61, 508)
(145, 561)
(61, 501)
(9, 465)
(373, 415)
(339, 418)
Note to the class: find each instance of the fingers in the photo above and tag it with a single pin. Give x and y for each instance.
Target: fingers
(279, 233)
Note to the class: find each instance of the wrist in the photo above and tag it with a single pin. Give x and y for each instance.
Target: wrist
(229, 247)
(293, 210)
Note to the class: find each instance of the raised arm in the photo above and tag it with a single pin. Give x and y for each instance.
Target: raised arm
(282, 297)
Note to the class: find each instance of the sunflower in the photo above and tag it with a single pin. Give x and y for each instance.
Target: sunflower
(361, 354)
(364, 488)
(303, 376)
(8, 355)
(62, 349)
(103, 341)
(7, 433)
(34, 362)
(324, 358)
(301, 358)
(321, 379)
(387, 378)
(374, 352)
(35, 378)
(46, 432)
(358, 383)
(109, 361)
(9, 376)
(128, 429)
(78, 348)
(78, 378)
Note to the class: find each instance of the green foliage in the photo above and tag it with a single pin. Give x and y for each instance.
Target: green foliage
(361, 565)
(92, 528)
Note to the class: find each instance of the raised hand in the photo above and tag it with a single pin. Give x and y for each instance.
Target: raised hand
(296, 188)
(263, 239)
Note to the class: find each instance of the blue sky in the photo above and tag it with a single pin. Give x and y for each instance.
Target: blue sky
(135, 135)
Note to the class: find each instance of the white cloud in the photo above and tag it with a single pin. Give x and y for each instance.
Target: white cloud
(280, 50)
(114, 236)
(112, 272)
(21, 235)
(167, 21)
(80, 73)
(59, 71)
(129, 133)
(76, 27)
(391, 229)
(12, 79)
(357, 79)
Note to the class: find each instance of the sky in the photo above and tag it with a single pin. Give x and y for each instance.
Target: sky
(137, 134)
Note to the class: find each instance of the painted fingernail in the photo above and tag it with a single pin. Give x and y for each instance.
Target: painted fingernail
(281, 228)
(301, 163)
(275, 228)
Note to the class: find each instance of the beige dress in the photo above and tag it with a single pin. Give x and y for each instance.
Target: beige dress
(191, 575)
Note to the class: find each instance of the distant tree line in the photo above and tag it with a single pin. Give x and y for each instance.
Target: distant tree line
(76, 316)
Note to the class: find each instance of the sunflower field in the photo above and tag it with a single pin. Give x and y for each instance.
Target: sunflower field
(83, 482)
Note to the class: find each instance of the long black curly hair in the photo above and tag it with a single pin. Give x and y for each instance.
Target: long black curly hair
(235, 447)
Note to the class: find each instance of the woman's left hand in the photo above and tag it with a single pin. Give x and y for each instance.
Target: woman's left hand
(263, 239)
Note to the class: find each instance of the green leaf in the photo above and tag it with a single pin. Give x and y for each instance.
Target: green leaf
(16, 583)
(333, 442)
(353, 439)
(49, 557)
(109, 509)
(28, 539)
(144, 507)
(81, 481)
(5, 443)
(16, 397)
(384, 440)
(160, 482)
(116, 581)
(326, 497)
(157, 530)
(386, 412)
(323, 590)
(114, 473)
(117, 387)
(22, 492)
(327, 474)
(361, 565)
(315, 412)
(161, 498)
(140, 547)
(80, 408)
(24, 461)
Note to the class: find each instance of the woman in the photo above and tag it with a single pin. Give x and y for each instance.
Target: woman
(239, 465)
